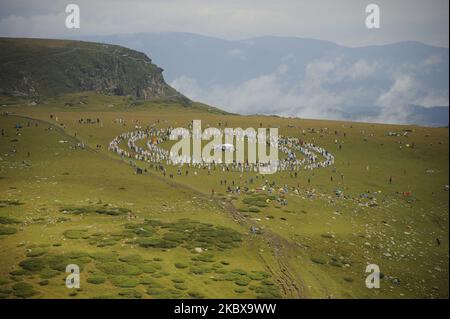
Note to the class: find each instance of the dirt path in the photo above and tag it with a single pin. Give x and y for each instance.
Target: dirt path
(287, 278)
(284, 275)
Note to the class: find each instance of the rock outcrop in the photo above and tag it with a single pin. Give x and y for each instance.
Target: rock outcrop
(40, 68)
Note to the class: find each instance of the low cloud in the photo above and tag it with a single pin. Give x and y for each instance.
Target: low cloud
(329, 89)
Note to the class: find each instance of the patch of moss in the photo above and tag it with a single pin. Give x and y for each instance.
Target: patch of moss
(36, 252)
(7, 220)
(147, 268)
(154, 291)
(180, 286)
(44, 282)
(124, 281)
(104, 256)
(253, 209)
(239, 290)
(75, 233)
(318, 261)
(10, 202)
(130, 294)
(196, 295)
(23, 290)
(119, 268)
(48, 273)
(133, 259)
(181, 265)
(242, 282)
(33, 264)
(7, 230)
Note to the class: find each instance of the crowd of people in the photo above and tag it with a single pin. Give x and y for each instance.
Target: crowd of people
(313, 156)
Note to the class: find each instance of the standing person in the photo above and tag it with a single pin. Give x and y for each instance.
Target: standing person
(390, 179)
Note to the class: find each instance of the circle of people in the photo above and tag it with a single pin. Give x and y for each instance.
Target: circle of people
(158, 155)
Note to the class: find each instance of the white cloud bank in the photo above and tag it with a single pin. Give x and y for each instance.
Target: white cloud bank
(328, 90)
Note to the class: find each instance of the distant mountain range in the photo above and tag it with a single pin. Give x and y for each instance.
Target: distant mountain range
(405, 82)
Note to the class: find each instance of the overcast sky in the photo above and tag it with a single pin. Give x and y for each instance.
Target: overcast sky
(338, 21)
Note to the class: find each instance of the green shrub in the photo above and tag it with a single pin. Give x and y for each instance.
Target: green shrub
(33, 264)
(154, 291)
(130, 294)
(96, 280)
(335, 263)
(19, 272)
(10, 202)
(180, 286)
(75, 233)
(258, 275)
(178, 280)
(119, 268)
(23, 290)
(48, 273)
(6, 230)
(196, 295)
(318, 261)
(124, 281)
(7, 220)
(132, 259)
(104, 256)
(36, 252)
(242, 282)
(147, 268)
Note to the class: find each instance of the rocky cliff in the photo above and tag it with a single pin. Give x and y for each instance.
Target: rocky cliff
(40, 68)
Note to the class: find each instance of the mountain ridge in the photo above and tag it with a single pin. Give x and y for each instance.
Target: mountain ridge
(292, 76)
(40, 68)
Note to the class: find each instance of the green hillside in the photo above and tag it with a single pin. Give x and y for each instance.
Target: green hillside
(143, 229)
(44, 68)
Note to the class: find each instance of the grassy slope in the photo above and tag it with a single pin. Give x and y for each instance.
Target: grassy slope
(53, 67)
(314, 235)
